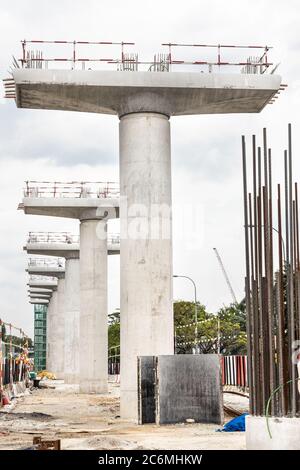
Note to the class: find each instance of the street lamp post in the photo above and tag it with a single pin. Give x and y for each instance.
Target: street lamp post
(196, 311)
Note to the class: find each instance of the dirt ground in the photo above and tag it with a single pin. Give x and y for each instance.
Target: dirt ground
(85, 422)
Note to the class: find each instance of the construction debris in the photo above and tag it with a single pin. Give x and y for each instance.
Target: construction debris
(46, 445)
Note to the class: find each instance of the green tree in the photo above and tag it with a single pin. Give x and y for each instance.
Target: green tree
(184, 324)
(113, 329)
(18, 341)
(226, 330)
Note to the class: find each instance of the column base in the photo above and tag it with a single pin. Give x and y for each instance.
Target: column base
(72, 379)
(93, 387)
(285, 433)
(129, 405)
(58, 375)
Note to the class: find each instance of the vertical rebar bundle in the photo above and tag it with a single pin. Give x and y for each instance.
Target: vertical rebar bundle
(272, 283)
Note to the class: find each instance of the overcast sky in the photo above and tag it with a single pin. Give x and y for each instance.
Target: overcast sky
(206, 157)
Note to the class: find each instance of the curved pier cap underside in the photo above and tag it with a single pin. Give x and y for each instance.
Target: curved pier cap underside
(37, 290)
(39, 295)
(50, 271)
(116, 92)
(72, 208)
(43, 284)
(39, 301)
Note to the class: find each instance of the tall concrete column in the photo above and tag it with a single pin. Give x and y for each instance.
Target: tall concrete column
(93, 306)
(146, 247)
(51, 343)
(58, 332)
(71, 315)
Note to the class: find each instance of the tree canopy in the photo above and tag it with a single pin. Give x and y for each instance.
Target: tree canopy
(225, 330)
(113, 331)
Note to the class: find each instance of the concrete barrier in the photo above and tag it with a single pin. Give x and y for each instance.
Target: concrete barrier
(284, 433)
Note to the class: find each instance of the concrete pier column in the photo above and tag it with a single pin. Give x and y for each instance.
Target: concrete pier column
(52, 314)
(58, 331)
(48, 333)
(146, 247)
(93, 306)
(72, 308)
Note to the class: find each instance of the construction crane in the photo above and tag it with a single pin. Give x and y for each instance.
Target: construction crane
(225, 275)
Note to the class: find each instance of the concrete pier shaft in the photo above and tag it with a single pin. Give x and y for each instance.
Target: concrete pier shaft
(146, 247)
(52, 315)
(72, 318)
(58, 335)
(93, 306)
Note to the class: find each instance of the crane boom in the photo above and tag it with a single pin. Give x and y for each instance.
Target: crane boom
(225, 275)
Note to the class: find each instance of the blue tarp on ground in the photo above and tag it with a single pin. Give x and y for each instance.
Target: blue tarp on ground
(236, 424)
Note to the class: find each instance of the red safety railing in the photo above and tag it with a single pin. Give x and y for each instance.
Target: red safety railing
(72, 189)
(28, 57)
(261, 61)
(161, 62)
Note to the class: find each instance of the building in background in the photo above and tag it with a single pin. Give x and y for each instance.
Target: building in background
(40, 335)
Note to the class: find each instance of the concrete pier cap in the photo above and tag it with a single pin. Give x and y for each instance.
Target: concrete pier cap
(75, 200)
(40, 282)
(63, 244)
(47, 267)
(122, 92)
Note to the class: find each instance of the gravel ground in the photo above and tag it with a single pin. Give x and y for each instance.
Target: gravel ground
(92, 422)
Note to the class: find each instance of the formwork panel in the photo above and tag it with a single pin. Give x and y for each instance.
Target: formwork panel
(172, 389)
(146, 389)
(189, 387)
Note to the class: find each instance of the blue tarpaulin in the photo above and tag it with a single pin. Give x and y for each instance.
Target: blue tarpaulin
(236, 424)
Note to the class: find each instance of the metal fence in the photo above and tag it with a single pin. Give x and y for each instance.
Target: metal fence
(52, 237)
(72, 189)
(234, 371)
(234, 368)
(64, 237)
(50, 262)
(14, 362)
(209, 56)
(13, 371)
(114, 360)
